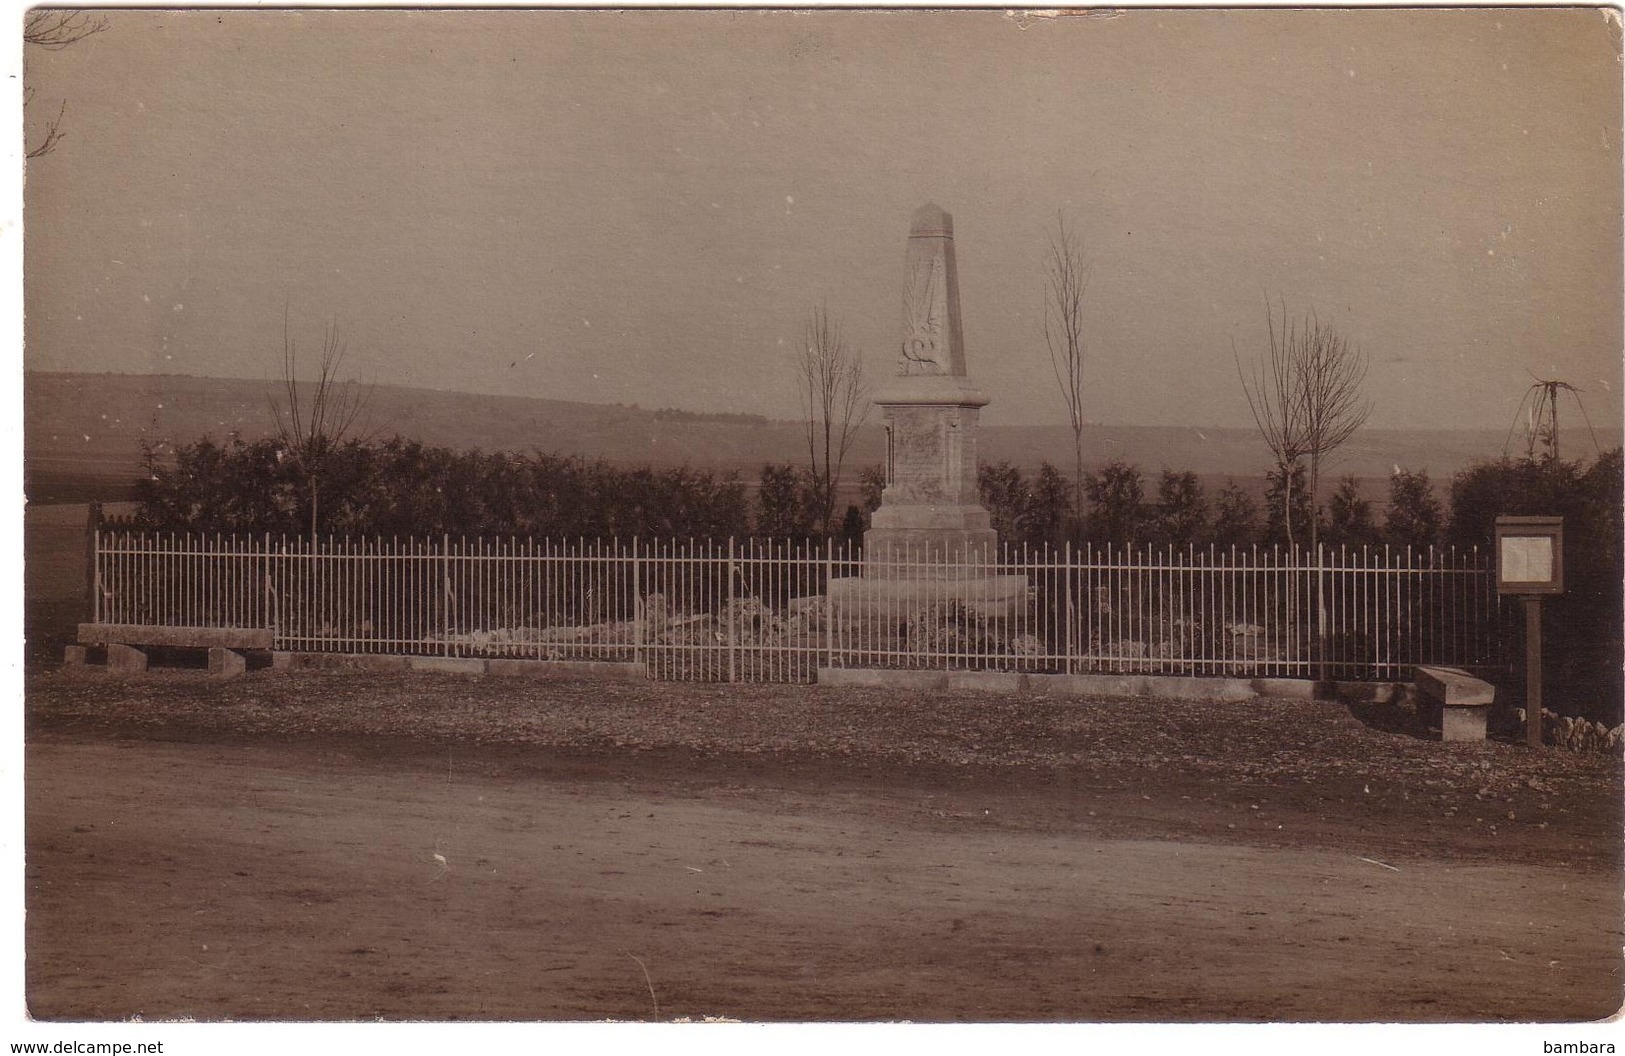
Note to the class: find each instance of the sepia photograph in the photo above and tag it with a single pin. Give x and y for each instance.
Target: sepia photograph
(820, 516)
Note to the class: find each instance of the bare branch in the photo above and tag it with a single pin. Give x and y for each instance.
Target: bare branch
(54, 30)
(1332, 377)
(53, 129)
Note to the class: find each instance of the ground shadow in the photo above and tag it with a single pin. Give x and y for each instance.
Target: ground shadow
(1417, 721)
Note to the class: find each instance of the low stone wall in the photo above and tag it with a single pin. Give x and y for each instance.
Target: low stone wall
(1044, 685)
(288, 661)
(1177, 687)
(462, 665)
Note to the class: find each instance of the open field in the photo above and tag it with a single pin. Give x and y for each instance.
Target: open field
(319, 845)
(83, 434)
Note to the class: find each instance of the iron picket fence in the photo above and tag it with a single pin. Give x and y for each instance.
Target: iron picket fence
(761, 610)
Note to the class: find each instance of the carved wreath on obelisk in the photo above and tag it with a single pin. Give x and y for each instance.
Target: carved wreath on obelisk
(923, 300)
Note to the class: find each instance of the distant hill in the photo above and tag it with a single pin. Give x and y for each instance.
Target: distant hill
(81, 428)
(82, 434)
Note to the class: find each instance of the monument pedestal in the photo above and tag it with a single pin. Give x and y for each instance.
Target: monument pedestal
(930, 544)
(930, 508)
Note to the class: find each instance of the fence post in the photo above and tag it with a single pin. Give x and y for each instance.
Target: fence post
(1070, 613)
(1318, 670)
(731, 616)
(1293, 610)
(446, 592)
(639, 613)
(270, 592)
(829, 606)
(93, 569)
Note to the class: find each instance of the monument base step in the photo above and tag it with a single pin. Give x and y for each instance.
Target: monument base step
(926, 552)
(870, 596)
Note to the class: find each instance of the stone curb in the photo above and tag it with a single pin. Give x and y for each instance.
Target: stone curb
(572, 670)
(598, 670)
(1178, 687)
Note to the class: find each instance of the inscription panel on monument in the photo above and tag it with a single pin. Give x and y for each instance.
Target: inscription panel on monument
(917, 457)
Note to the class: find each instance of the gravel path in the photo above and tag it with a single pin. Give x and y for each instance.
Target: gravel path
(1315, 760)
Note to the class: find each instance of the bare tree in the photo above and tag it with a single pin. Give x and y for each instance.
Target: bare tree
(1306, 398)
(1274, 389)
(1066, 280)
(836, 401)
(53, 30)
(314, 419)
(1332, 379)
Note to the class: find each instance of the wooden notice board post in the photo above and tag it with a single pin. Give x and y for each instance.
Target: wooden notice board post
(1529, 564)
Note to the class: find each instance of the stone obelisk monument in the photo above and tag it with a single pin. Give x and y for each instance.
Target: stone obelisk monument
(929, 510)
(930, 542)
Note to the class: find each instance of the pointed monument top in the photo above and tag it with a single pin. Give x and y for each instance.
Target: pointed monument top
(931, 221)
(931, 366)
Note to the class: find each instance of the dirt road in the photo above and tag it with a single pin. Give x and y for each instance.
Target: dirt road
(286, 881)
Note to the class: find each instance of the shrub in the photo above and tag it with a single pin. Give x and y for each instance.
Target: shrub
(400, 487)
(1348, 517)
(1414, 515)
(1584, 627)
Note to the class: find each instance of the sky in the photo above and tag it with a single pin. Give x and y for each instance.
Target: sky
(643, 207)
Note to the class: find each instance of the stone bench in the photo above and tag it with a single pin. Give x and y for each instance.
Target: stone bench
(126, 644)
(1465, 701)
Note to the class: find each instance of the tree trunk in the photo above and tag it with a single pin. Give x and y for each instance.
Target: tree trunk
(1077, 483)
(1286, 511)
